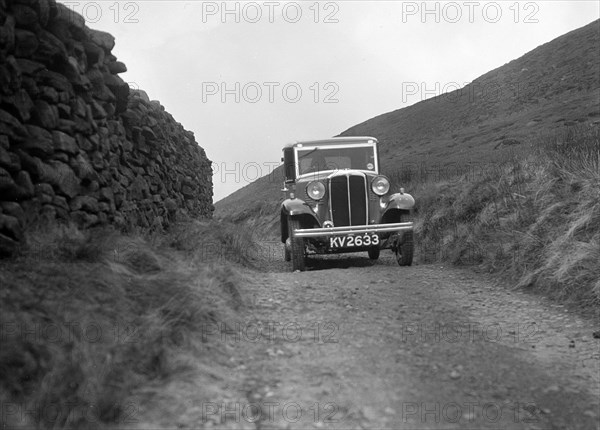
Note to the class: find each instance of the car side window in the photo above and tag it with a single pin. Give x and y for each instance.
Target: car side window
(289, 164)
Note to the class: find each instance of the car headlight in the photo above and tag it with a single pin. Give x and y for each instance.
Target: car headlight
(315, 190)
(380, 185)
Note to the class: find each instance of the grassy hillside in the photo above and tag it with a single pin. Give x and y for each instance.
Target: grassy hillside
(553, 86)
(534, 219)
(556, 85)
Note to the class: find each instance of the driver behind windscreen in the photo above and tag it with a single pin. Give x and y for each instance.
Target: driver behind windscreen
(317, 163)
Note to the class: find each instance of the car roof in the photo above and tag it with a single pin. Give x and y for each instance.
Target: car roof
(333, 141)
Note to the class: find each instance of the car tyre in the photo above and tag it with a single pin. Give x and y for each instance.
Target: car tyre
(286, 252)
(297, 257)
(404, 251)
(374, 253)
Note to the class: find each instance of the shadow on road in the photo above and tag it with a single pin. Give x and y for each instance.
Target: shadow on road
(342, 261)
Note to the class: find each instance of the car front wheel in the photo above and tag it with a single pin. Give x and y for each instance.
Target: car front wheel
(374, 253)
(404, 251)
(297, 251)
(286, 251)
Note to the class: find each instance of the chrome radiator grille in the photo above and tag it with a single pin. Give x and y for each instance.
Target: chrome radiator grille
(348, 200)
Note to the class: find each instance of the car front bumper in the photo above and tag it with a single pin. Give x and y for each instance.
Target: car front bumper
(355, 229)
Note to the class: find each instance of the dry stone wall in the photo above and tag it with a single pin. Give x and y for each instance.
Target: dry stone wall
(76, 143)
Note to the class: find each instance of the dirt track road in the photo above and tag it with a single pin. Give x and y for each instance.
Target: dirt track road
(351, 345)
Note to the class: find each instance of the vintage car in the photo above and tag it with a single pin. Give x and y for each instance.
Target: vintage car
(336, 201)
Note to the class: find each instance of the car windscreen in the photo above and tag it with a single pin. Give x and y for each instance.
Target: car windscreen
(319, 159)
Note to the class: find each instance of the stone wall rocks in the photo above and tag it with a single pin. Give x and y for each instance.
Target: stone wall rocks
(76, 144)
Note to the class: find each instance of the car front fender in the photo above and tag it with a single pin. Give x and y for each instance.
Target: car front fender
(402, 201)
(293, 207)
(296, 208)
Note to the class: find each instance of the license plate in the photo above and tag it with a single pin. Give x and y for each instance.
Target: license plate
(351, 241)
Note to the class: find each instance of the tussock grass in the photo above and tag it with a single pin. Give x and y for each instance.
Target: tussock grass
(534, 219)
(261, 215)
(87, 317)
(220, 241)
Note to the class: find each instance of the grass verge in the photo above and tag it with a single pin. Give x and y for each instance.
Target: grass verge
(88, 317)
(534, 219)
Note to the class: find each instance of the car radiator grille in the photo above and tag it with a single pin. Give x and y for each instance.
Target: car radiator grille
(348, 200)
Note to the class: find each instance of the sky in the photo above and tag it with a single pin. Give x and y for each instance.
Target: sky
(249, 77)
